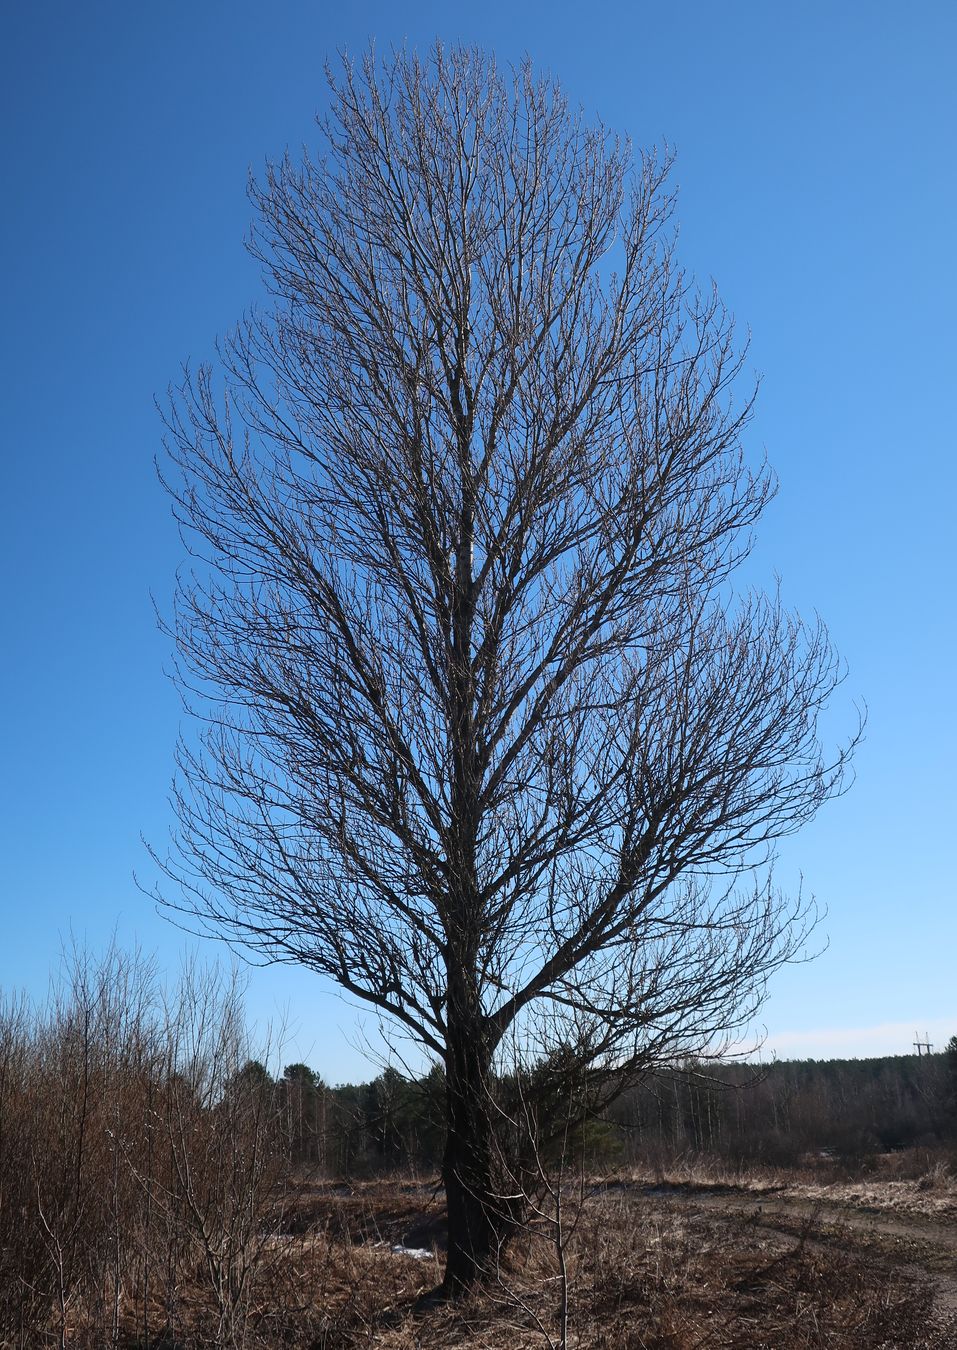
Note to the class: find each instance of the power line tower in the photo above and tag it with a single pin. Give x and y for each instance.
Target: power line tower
(921, 1045)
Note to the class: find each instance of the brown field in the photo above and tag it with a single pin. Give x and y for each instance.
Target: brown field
(680, 1261)
(689, 1256)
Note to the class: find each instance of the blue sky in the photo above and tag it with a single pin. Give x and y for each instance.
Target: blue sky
(815, 159)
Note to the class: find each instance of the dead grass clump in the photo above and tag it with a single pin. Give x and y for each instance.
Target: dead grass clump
(920, 1182)
(373, 1211)
(932, 1196)
(325, 1293)
(938, 1177)
(712, 1171)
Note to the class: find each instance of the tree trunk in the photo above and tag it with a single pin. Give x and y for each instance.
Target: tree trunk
(474, 1209)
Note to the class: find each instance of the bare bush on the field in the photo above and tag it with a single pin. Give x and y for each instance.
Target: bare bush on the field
(68, 1087)
(134, 1160)
(224, 1152)
(552, 1187)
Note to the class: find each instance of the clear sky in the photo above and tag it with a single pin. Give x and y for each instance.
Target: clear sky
(815, 147)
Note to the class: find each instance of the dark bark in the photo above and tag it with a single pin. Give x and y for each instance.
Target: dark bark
(467, 1167)
(474, 1223)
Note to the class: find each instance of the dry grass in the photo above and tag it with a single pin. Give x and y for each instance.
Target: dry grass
(645, 1276)
(918, 1182)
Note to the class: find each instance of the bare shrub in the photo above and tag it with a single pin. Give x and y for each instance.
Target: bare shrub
(135, 1162)
(69, 1078)
(222, 1148)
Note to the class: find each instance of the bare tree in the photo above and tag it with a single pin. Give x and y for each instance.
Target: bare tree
(487, 734)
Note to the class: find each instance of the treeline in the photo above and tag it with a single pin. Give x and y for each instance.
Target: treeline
(776, 1114)
(389, 1124)
(850, 1109)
